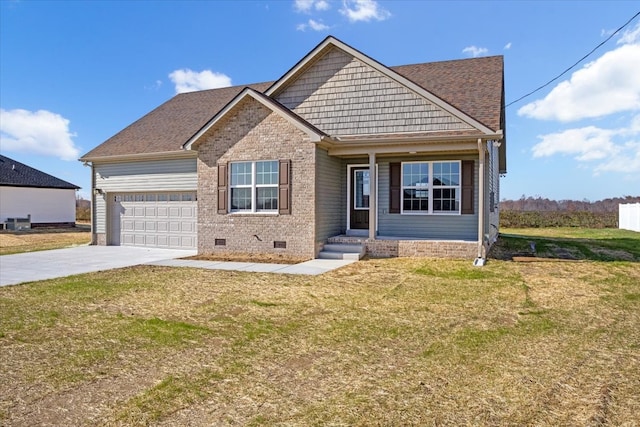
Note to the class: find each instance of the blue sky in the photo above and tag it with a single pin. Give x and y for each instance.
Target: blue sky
(72, 74)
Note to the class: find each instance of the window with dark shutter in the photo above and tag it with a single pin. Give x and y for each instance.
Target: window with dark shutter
(222, 188)
(467, 187)
(395, 185)
(284, 188)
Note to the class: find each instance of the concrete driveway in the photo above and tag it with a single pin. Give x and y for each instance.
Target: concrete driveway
(42, 265)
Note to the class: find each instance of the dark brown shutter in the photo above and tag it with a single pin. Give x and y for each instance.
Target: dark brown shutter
(222, 188)
(284, 188)
(395, 187)
(467, 186)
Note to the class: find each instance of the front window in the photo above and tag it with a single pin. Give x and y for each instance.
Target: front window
(254, 186)
(431, 187)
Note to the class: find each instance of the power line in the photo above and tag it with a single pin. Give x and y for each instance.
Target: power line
(574, 65)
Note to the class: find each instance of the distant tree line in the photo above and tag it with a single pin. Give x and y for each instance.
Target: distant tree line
(83, 209)
(542, 212)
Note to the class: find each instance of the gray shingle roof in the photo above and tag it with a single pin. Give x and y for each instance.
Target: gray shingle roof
(16, 174)
(474, 86)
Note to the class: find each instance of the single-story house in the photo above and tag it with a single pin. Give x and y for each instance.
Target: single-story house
(26, 192)
(341, 149)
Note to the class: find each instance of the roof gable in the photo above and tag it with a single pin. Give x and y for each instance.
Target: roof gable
(346, 97)
(271, 104)
(16, 174)
(279, 88)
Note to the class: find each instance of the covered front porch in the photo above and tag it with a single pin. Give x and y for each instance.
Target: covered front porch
(377, 215)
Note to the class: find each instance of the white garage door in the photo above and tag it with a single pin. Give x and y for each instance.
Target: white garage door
(162, 220)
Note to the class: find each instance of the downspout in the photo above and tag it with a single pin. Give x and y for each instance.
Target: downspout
(94, 238)
(480, 259)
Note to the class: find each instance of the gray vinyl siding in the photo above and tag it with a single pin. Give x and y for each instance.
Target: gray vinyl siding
(157, 175)
(342, 96)
(331, 210)
(439, 227)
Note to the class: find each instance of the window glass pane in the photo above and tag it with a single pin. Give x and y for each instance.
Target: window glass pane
(187, 197)
(267, 173)
(240, 199)
(267, 198)
(241, 173)
(415, 175)
(150, 197)
(174, 197)
(415, 200)
(446, 173)
(163, 197)
(361, 189)
(446, 200)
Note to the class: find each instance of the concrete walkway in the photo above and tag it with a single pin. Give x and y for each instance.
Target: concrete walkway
(43, 265)
(312, 267)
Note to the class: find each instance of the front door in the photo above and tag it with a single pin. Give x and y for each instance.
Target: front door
(359, 203)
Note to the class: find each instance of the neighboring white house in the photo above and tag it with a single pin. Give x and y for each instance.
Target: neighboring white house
(28, 192)
(629, 216)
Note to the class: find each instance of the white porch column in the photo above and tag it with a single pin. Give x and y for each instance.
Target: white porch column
(373, 195)
(481, 203)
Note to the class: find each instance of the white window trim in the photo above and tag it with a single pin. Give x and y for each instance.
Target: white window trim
(430, 189)
(253, 186)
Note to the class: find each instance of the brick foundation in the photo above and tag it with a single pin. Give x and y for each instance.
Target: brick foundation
(388, 248)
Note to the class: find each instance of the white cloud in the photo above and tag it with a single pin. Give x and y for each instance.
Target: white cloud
(314, 25)
(475, 51)
(630, 36)
(507, 46)
(41, 132)
(187, 80)
(588, 143)
(613, 150)
(306, 6)
(363, 10)
(608, 85)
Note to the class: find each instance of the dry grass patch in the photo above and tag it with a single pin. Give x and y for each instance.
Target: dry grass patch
(379, 342)
(40, 239)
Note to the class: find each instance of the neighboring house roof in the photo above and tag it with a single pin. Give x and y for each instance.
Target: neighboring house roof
(472, 86)
(16, 174)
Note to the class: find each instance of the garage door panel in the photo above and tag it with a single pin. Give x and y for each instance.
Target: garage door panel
(155, 219)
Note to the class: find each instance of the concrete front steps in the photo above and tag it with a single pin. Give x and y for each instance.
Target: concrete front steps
(346, 251)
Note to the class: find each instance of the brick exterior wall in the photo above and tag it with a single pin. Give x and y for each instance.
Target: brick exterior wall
(388, 248)
(252, 132)
(99, 239)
